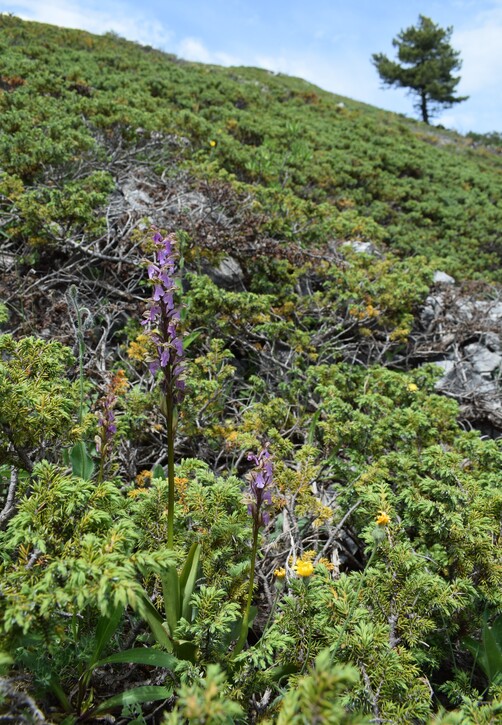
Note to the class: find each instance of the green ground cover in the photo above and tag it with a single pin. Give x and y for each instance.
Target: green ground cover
(372, 567)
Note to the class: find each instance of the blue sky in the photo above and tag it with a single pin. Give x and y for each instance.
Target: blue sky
(328, 42)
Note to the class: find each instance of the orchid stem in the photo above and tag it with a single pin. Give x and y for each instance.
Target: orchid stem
(245, 618)
(170, 468)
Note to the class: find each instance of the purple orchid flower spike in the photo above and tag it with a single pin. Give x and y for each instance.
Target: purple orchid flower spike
(162, 325)
(162, 319)
(260, 501)
(260, 485)
(107, 420)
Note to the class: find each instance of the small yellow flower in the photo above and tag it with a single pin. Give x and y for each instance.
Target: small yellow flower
(304, 568)
(181, 484)
(119, 382)
(143, 478)
(212, 143)
(280, 573)
(136, 492)
(400, 334)
(140, 348)
(309, 555)
(412, 387)
(327, 563)
(372, 311)
(383, 518)
(230, 438)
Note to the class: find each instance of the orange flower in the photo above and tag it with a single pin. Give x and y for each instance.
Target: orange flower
(119, 382)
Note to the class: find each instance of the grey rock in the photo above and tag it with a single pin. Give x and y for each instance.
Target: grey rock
(447, 365)
(442, 278)
(228, 274)
(7, 260)
(495, 312)
(467, 333)
(431, 309)
(463, 382)
(362, 247)
(136, 197)
(427, 315)
(492, 341)
(489, 310)
(482, 360)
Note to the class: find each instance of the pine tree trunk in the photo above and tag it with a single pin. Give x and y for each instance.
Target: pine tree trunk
(423, 106)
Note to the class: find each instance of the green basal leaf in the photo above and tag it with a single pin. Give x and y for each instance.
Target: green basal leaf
(141, 656)
(191, 337)
(171, 594)
(279, 673)
(492, 652)
(82, 464)
(147, 693)
(188, 579)
(488, 652)
(105, 630)
(186, 651)
(154, 620)
(158, 471)
(61, 695)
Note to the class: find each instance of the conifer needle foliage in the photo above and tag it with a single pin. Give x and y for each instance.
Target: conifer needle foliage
(256, 507)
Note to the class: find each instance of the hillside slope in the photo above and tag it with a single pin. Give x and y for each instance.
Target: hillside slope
(294, 452)
(318, 166)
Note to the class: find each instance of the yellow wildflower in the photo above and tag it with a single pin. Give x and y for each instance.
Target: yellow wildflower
(372, 311)
(143, 478)
(383, 518)
(327, 563)
(181, 484)
(119, 382)
(212, 143)
(309, 555)
(140, 348)
(412, 387)
(304, 568)
(280, 573)
(136, 492)
(231, 438)
(400, 334)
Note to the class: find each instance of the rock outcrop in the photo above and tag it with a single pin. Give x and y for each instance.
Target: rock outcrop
(461, 332)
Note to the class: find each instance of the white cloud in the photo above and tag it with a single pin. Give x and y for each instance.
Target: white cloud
(348, 75)
(194, 49)
(292, 65)
(94, 17)
(481, 52)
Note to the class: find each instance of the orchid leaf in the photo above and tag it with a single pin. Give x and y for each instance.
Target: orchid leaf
(106, 628)
(82, 464)
(135, 696)
(171, 594)
(188, 579)
(141, 656)
(154, 620)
